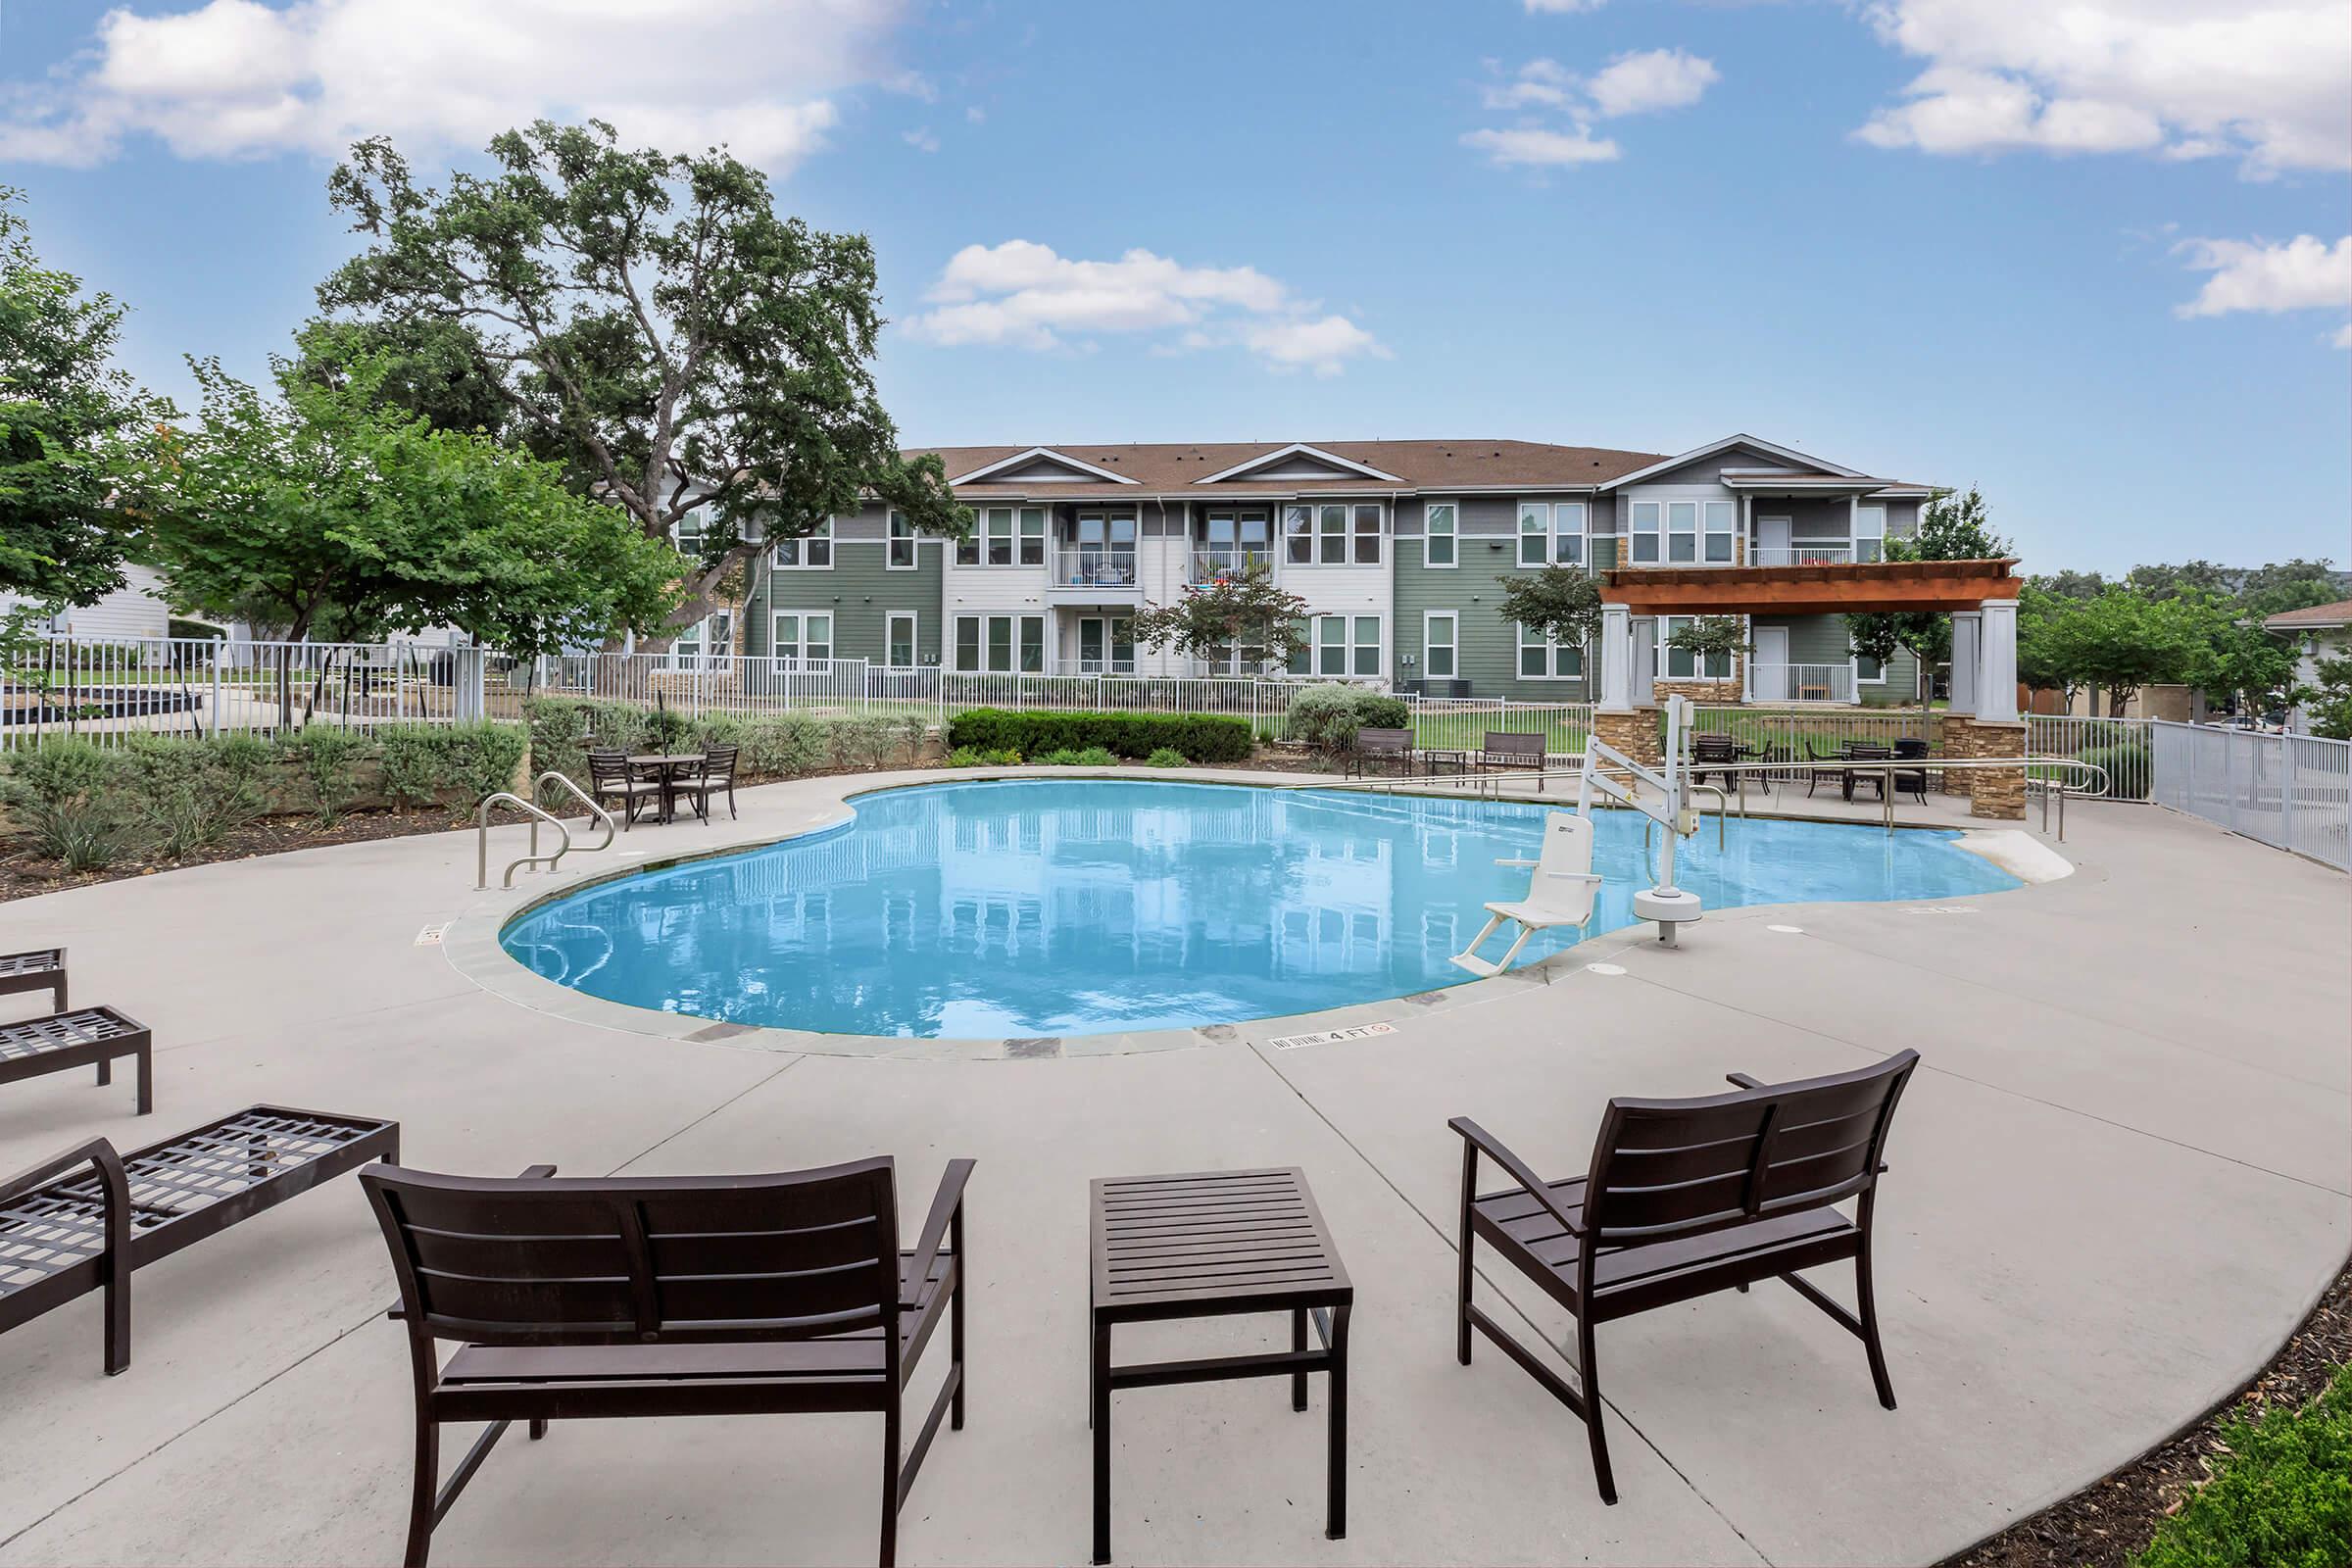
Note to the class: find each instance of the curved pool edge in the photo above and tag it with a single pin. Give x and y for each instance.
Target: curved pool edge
(470, 942)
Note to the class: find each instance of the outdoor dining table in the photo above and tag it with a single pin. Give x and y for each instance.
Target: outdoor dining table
(667, 768)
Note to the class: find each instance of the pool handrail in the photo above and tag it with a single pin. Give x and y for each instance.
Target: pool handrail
(597, 812)
(482, 876)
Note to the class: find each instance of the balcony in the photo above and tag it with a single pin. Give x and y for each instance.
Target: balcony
(1800, 683)
(1837, 553)
(1214, 561)
(1093, 574)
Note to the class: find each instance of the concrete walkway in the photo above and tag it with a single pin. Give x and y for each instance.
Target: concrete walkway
(2118, 1178)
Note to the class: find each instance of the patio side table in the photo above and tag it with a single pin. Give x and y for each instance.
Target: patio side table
(1213, 1243)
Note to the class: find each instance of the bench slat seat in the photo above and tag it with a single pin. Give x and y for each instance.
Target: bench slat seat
(85, 1037)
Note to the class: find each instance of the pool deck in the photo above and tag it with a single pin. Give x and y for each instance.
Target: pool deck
(2118, 1178)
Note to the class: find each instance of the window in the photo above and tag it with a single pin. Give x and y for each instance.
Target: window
(1682, 531)
(1439, 644)
(1298, 535)
(1334, 652)
(687, 532)
(901, 543)
(1869, 671)
(801, 634)
(1437, 525)
(1720, 520)
(1000, 536)
(993, 642)
(1107, 645)
(712, 638)
(898, 639)
(1367, 645)
(1680, 664)
(811, 552)
(1551, 533)
(1331, 645)
(1331, 532)
(1367, 535)
(1870, 533)
(1541, 659)
(1033, 536)
(1231, 543)
(1644, 521)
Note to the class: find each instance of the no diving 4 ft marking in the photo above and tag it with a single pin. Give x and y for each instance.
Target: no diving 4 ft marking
(1329, 1037)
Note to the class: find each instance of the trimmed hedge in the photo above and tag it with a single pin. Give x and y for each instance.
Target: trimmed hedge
(1329, 715)
(1203, 737)
(2280, 1499)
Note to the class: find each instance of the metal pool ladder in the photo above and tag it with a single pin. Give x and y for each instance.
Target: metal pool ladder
(537, 815)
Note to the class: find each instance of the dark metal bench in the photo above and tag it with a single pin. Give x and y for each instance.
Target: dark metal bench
(1685, 1198)
(85, 1037)
(1512, 751)
(1212, 1243)
(1392, 747)
(41, 969)
(66, 1231)
(668, 1295)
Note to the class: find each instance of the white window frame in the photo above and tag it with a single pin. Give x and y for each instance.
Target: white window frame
(1562, 520)
(986, 618)
(1552, 649)
(1452, 534)
(693, 525)
(1350, 647)
(690, 649)
(1379, 536)
(1854, 670)
(1698, 667)
(895, 532)
(801, 547)
(1635, 533)
(1708, 533)
(1298, 544)
(799, 655)
(1695, 533)
(1334, 547)
(1854, 534)
(915, 637)
(1452, 643)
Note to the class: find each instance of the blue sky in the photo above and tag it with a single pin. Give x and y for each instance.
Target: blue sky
(2101, 270)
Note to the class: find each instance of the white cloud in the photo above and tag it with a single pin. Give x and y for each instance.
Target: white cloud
(1560, 8)
(1654, 79)
(921, 139)
(2344, 337)
(1533, 146)
(2306, 274)
(235, 79)
(1557, 107)
(2265, 81)
(1021, 294)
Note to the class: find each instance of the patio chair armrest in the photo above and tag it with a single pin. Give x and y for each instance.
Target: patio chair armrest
(529, 1173)
(1744, 1080)
(946, 1207)
(1487, 1145)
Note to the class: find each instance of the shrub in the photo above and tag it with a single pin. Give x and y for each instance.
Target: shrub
(785, 745)
(413, 763)
(189, 795)
(2281, 1498)
(1203, 737)
(65, 793)
(864, 740)
(1166, 757)
(1091, 756)
(974, 756)
(478, 759)
(2128, 770)
(1329, 715)
(328, 757)
(665, 730)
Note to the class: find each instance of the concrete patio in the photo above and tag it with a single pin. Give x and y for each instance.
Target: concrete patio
(2118, 1178)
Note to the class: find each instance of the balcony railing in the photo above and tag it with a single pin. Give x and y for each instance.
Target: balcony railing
(1102, 666)
(1093, 567)
(1211, 562)
(1800, 683)
(1822, 555)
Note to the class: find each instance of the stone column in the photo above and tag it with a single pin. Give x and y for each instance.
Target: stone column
(1998, 791)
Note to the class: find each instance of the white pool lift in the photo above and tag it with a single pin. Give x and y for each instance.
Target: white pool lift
(1562, 892)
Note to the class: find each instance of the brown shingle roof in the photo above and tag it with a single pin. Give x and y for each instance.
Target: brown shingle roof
(1178, 467)
(2338, 614)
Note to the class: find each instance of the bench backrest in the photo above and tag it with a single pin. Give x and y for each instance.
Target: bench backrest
(558, 1260)
(1513, 743)
(1383, 740)
(1715, 747)
(1670, 1168)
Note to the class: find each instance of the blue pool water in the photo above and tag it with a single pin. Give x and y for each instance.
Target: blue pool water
(1072, 907)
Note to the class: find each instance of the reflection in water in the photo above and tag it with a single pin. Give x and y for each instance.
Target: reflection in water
(1083, 907)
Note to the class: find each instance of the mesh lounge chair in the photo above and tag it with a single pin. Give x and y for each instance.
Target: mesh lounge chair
(1562, 892)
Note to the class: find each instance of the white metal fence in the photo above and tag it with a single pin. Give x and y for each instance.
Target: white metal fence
(2293, 792)
(110, 691)
(1800, 683)
(1462, 724)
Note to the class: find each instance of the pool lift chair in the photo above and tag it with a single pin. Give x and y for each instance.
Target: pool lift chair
(1562, 892)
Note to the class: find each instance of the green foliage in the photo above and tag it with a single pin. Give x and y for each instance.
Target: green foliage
(1166, 757)
(413, 771)
(650, 320)
(1710, 637)
(2282, 1497)
(2129, 768)
(425, 764)
(1205, 738)
(1951, 528)
(785, 746)
(1329, 715)
(329, 760)
(188, 795)
(868, 739)
(2328, 705)
(1558, 603)
(977, 757)
(66, 797)
(2121, 641)
(1090, 757)
(1248, 612)
(62, 405)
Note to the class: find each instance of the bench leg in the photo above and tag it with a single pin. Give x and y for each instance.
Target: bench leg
(1298, 1346)
(538, 1428)
(1588, 1375)
(890, 1482)
(1461, 1293)
(421, 1496)
(955, 1323)
(1867, 1300)
(1101, 1422)
(146, 1079)
(106, 1071)
(1335, 1526)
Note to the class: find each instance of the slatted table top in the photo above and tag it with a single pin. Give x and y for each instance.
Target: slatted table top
(42, 962)
(36, 1037)
(1208, 1242)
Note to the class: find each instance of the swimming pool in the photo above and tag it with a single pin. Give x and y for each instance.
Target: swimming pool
(1074, 906)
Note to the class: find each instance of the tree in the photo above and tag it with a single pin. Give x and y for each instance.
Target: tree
(2240, 666)
(2046, 656)
(432, 369)
(62, 401)
(2072, 584)
(1708, 637)
(1247, 613)
(2124, 640)
(1950, 528)
(652, 321)
(2160, 581)
(2328, 705)
(1559, 603)
(328, 510)
(2284, 585)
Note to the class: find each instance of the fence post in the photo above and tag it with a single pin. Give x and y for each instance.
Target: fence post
(2286, 792)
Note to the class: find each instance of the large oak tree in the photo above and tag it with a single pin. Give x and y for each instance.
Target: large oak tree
(650, 320)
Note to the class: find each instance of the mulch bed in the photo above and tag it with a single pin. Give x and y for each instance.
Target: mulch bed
(2108, 1522)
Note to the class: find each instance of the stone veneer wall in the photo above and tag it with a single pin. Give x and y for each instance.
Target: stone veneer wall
(1634, 733)
(1992, 793)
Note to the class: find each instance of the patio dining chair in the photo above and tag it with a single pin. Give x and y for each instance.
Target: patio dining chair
(717, 774)
(1865, 752)
(1814, 775)
(1912, 781)
(1715, 754)
(610, 778)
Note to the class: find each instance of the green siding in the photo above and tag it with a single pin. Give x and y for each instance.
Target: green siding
(859, 592)
(1488, 644)
(1822, 640)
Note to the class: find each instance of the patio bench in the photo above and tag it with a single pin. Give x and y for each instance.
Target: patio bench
(1512, 751)
(1394, 746)
(41, 969)
(85, 1037)
(1684, 1198)
(66, 1231)
(578, 1298)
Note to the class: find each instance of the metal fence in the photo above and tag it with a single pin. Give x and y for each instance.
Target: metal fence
(110, 691)
(1462, 724)
(2121, 747)
(2292, 791)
